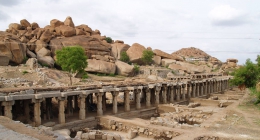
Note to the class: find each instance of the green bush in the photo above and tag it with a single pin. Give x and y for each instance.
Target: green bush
(24, 72)
(25, 59)
(109, 39)
(136, 68)
(85, 75)
(124, 57)
(254, 92)
(147, 56)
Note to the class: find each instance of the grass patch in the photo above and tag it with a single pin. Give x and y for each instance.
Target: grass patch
(24, 72)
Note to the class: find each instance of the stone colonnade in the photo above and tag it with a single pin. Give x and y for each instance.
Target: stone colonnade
(151, 94)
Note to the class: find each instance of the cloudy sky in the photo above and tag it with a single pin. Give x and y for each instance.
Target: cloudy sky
(222, 28)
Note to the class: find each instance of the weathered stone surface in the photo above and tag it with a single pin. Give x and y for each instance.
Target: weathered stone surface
(39, 45)
(30, 53)
(49, 27)
(120, 41)
(46, 60)
(80, 31)
(65, 133)
(167, 62)
(191, 67)
(232, 60)
(92, 46)
(123, 68)
(152, 78)
(35, 25)
(135, 53)
(11, 46)
(96, 32)
(157, 60)
(4, 60)
(46, 36)
(66, 31)
(100, 66)
(56, 23)
(25, 23)
(15, 26)
(85, 136)
(258, 87)
(44, 52)
(162, 54)
(85, 28)
(68, 21)
(231, 64)
(118, 48)
(99, 57)
(131, 134)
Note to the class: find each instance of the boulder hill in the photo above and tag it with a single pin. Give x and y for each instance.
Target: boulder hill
(29, 40)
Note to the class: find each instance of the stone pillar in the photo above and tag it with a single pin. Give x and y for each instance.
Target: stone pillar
(178, 93)
(148, 97)
(104, 102)
(164, 94)
(183, 92)
(99, 103)
(188, 91)
(82, 106)
(138, 99)
(157, 95)
(37, 112)
(127, 100)
(61, 102)
(115, 94)
(172, 94)
(201, 89)
(193, 90)
(8, 108)
(205, 88)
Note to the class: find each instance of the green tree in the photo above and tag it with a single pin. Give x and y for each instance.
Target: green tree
(248, 74)
(72, 59)
(147, 56)
(124, 57)
(109, 39)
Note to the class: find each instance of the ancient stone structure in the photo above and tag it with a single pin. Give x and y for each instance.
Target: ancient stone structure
(38, 106)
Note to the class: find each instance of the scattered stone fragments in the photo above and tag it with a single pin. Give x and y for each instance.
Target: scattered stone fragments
(207, 138)
(214, 98)
(96, 135)
(193, 105)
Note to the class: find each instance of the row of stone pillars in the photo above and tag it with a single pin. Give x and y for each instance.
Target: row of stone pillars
(152, 95)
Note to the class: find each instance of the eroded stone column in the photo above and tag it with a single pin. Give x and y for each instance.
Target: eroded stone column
(104, 102)
(138, 99)
(201, 89)
(37, 112)
(115, 94)
(193, 90)
(164, 94)
(178, 93)
(188, 90)
(61, 102)
(183, 92)
(157, 95)
(82, 107)
(127, 100)
(172, 94)
(148, 97)
(8, 108)
(99, 103)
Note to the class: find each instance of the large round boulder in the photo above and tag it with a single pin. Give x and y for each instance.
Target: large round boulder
(135, 53)
(100, 66)
(12, 47)
(123, 68)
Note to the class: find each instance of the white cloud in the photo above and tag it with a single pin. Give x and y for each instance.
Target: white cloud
(225, 15)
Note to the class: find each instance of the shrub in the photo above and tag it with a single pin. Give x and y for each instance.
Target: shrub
(24, 72)
(25, 59)
(85, 76)
(124, 57)
(136, 68)
(147, 56)
(109, 39)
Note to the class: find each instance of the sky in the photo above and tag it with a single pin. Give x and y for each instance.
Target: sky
(222, 28)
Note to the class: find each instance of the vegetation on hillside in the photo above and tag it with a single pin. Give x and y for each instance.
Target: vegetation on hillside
(72, 59)
(124, 57)
(249, 75)
(109, 39)
(147, 56)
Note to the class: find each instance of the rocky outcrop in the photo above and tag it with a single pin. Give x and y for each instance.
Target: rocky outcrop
(100, 66)
(92, 46)
(135, 53)
(12, 47)
(118, 48)
(4, 60)
(167, 62)
(157, 60)
(162, 54)
(153, 78)
(68, 21)
(46, 61)
(123, 68)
